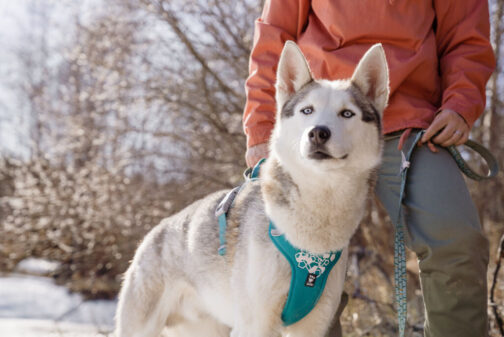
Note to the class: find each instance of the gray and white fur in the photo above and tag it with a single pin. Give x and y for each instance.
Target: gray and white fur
(324, 151)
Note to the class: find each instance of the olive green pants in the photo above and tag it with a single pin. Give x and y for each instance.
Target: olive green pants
(445, 233)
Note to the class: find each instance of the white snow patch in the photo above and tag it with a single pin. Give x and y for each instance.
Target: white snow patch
(45, 328)
(35, 306)
(36, 266)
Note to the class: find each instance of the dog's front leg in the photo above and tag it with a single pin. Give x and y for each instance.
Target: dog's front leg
(145, 301)
(260, 291)
(250, 330)
(141, 311)
(256, 318)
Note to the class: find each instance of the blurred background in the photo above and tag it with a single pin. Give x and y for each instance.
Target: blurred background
(115, 114)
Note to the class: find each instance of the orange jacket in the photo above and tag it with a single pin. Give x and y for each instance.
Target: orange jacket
(438, 53)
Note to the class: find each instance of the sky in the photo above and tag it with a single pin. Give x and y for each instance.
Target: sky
(16, 26)
(14, 20)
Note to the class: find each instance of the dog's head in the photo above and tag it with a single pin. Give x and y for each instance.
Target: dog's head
(330, 125)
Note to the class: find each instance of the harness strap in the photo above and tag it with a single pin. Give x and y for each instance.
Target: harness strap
(309, 274)
(251, 174)
(222, 234)
(221, 213)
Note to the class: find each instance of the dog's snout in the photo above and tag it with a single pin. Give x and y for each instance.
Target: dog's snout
(319, 135)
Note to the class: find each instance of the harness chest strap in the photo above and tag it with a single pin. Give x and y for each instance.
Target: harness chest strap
(308, 279)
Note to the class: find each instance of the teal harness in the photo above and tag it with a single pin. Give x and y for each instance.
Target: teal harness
(309, 276)
(309, 271)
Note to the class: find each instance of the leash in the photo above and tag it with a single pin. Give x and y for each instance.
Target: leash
(493, 166)
(400, 277)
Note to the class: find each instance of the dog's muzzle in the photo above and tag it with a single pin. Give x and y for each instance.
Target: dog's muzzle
(318, 136)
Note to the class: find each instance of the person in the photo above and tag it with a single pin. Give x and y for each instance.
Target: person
(440, 59)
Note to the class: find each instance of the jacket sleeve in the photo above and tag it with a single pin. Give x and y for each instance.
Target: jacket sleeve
(465, 54)
(281, 20)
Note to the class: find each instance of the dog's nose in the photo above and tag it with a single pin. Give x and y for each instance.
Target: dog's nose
(319, 135)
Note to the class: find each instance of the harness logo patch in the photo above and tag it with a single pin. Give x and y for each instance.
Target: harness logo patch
(314, 264)
(310, 280)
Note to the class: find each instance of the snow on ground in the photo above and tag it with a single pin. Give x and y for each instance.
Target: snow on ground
(46, 328)
(36, 266)
(34, 306)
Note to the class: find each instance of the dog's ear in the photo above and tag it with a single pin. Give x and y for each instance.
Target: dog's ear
(292, 73)
(372, 78)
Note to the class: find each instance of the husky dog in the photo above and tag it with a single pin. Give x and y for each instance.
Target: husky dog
(324, 152)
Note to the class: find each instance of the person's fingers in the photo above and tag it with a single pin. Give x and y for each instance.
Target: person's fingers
(453, 139)
(463, 139)
(256, 153)
(252, 160)
(448, 128)
(446, 134)
(438, 123)
(262, 152)
(432, 147)
(249, 160)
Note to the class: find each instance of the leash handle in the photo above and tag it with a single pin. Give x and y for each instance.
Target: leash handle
(492, 164)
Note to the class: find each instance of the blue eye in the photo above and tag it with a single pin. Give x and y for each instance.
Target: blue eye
(307, 110)
(347, 114)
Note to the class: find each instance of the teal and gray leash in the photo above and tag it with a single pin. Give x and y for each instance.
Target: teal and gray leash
(400, 277)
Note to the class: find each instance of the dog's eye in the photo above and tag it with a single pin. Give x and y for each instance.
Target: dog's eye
(347, 114)
(307, 110)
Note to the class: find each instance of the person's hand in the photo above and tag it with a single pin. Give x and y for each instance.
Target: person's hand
(454, 129)
(256, 153)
